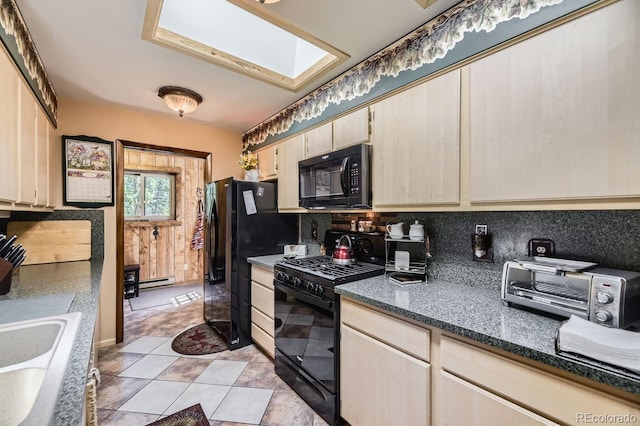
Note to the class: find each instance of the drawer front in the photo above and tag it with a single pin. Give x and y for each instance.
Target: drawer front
(262, 321)
(263, 340)
(553, 396)
(262, 276)
(406, 337)
(262, 299)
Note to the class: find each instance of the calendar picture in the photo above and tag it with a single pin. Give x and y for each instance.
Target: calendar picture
(88, 171)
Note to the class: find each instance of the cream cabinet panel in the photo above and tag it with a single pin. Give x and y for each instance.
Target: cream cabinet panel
(352, 129)
(319, 140)
(556, 116)
(527, 386)
(262, 308)
(380, 385)
(27, 137)
(55, 170)
(42, 158)
(9, 84)
(267, 162)
(290, 152)
(467, 404)
(416, 145)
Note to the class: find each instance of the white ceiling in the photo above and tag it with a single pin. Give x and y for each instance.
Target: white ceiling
(93, 52)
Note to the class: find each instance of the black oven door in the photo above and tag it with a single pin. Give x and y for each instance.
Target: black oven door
(306, 346)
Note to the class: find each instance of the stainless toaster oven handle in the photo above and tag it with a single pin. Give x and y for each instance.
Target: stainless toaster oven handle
(541, 268)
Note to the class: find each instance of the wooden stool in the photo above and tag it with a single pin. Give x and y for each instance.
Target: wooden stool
(131, 281)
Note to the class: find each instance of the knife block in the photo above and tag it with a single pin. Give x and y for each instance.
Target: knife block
(6, 273)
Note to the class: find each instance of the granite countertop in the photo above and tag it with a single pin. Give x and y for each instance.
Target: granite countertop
(266, 261)
(479, 314)
(83, 280)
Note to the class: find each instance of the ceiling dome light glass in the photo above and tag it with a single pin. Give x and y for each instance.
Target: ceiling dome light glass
(179, 99)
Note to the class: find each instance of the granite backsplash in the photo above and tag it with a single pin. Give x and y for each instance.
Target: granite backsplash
(610, 238)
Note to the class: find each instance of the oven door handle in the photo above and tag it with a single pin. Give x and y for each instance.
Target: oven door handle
(316, 301)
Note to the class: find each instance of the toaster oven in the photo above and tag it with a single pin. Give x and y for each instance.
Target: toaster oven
(609, 297)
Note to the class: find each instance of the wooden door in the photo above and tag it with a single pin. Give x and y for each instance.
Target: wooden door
(416, 145)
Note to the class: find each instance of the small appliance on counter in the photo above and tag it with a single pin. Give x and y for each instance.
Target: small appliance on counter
(608, 297)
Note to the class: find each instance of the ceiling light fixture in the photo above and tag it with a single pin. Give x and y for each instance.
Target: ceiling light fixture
(179, 99)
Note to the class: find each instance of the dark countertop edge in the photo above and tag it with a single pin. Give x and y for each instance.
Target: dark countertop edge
(69, 408)
(600, 375)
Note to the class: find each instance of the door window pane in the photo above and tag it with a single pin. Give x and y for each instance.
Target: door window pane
(149, 196)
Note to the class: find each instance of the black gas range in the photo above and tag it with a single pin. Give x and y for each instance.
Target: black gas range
(307, 324)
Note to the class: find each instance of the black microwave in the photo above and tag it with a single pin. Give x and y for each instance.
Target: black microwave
(337, 180)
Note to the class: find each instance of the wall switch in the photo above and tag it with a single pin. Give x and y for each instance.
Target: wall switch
(186, 266)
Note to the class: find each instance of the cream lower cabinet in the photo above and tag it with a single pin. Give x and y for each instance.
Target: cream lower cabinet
(395, 372)
(262, 308)
(478, 385)
(416, 145)
(289, 153)
(384, 373)
(467, 404)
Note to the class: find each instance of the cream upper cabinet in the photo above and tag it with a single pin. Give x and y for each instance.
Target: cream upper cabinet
(352, 129)
(319, 140)
(416, 145)
(556, 116)
(9, 83)
(42, 158)
(290, 152)
(55, 170)
(381, 381)
(268, 162)
(27, 137)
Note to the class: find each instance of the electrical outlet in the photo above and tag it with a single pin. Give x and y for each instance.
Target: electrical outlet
(186, 266)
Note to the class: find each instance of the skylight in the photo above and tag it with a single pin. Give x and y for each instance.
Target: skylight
(234, 36)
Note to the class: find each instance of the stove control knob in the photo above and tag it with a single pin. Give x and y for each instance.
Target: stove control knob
(280, 276)
(297, 282)
(310, 286)
(603, 316)
(604, 297)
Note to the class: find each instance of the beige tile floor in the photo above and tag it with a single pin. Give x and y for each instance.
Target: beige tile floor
(144, 380)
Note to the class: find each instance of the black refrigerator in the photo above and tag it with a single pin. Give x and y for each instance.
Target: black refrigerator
(242, 221)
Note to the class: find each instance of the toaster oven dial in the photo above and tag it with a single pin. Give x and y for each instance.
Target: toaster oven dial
(604, 297)
(603, 316)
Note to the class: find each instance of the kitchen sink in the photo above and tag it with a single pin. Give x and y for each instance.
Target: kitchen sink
(33, 358)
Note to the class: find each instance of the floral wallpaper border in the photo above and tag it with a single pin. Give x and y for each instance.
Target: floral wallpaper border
(13, 25)
(424, 45)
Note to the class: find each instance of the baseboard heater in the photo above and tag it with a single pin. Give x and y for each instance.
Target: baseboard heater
(158, 282)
